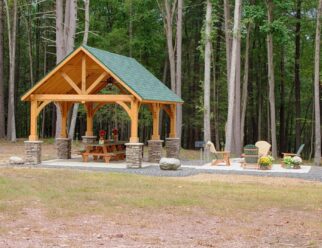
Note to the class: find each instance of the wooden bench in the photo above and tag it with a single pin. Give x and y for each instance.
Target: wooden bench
(119, 154)
(96, 155)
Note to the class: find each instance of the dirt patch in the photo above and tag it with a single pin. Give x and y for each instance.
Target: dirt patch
(168, 227)
(8, 149)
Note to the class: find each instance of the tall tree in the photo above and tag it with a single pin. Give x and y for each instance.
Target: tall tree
(232, 75)
(283, 140)
(2, 109)
(85, 38)
(237, 108)
(66, 16)
(228, 38)
(245, 83)
(206, 118)
(174, 51)
(317, 112)
(168, 26)
(179, 65)
(297, 81)
(12, 29)
(271, 79)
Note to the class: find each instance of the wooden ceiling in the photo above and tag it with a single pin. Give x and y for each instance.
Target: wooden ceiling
(57, 84)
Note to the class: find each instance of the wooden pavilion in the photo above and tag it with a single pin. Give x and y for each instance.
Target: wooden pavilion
(83, 77)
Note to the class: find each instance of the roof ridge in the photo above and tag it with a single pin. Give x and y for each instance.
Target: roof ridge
(102, 50)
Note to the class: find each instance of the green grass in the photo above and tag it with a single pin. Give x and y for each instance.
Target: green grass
(69, 193)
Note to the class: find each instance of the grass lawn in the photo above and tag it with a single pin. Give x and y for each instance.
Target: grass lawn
(50, 207)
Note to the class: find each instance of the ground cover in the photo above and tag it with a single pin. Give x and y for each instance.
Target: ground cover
(44, 207)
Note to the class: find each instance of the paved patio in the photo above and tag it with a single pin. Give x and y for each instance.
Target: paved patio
(189, 168)
(76, 162)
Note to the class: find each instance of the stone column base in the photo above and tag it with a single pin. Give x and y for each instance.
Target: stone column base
(64, 148)
(134, 155)
(89, 139)
(155, 150)
(33, 152)
(172, 146)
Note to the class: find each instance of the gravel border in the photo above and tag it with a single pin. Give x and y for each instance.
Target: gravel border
(315, 174)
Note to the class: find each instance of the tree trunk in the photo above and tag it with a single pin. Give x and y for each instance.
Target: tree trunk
(227, 37)
(65, 35)
(60, 51)
(76, 105)
(29, 36)
(43, 123)
(271, 79)
(297, 82)
(237, 109)
(11, 125)
(282, 103)
(87, 22)
(245, 84)
(168, 30)
(2, 109)
(317, 153)
(206, 116)
(232, 75)
(178, 67)
(174, 52)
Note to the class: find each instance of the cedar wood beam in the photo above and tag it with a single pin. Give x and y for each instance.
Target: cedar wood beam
(82, 98)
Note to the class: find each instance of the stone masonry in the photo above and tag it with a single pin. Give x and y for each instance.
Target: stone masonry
(89, 139)
(155, 150)
(172, 146)
(64, 147)
(134, 155)
(33, 152)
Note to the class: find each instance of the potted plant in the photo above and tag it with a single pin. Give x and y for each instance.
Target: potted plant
(265, 162)
(115, 134)
(292, 162)
(297, 161)
(288, 162)
(102, 134)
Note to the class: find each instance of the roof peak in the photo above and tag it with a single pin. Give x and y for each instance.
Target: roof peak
(106, 51)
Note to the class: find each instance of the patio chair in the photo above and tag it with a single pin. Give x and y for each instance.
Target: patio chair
(221, 157)
(298, 153)
(251, 157)
(263, 148)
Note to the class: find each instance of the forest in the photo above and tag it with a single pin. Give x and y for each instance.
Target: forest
(246, 70)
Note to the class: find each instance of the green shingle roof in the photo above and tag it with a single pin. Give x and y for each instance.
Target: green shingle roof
(135, 75)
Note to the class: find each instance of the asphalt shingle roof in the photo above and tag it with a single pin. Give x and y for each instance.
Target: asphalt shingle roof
(135, 75)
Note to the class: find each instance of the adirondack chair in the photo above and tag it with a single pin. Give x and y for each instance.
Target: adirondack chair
(298, 153)
(221, 157)
(263, 148)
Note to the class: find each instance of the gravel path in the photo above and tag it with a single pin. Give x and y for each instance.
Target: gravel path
(315, 173)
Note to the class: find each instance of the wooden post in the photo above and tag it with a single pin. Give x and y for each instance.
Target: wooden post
(84, 74)
(173, 120)
(156, 117)
(134, 121)
(89, 119)
(33, 120)
(64, 114)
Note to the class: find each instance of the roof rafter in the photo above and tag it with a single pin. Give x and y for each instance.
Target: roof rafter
(71, 82)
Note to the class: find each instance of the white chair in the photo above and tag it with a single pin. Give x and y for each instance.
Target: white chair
(221, 157)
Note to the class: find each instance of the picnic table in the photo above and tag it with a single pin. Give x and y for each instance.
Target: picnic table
(108, 151)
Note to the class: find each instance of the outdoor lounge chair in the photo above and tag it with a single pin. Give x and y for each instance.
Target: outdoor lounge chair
(221, 157)
(263, 148)
(298, 153)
